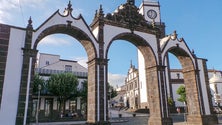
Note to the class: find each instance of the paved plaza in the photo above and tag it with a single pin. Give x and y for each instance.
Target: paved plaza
(128, 119)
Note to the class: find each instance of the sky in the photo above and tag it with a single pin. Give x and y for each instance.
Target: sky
(199, 22)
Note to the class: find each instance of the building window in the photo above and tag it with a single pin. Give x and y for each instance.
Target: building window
(48, 107)
(68, 68)
(135, 85)
(72, 106)
(47, 62)
(178, 75)
(34, 106)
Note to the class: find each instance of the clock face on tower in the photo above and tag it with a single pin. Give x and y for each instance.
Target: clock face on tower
(152, 14)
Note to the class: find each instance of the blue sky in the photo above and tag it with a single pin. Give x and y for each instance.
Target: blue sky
(199, 22)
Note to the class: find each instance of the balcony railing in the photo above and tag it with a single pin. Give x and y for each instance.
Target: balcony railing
(50, 71)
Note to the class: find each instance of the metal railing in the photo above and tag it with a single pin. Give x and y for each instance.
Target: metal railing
(50, 71)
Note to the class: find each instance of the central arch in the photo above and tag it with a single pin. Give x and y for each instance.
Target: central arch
(152, 69)
(141, 44)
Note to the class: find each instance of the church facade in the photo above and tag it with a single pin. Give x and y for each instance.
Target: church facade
(134, 85)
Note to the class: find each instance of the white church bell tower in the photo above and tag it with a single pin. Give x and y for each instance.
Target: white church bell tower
(150, 9)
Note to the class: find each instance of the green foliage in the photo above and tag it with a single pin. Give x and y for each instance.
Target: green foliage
(182, 92)
(170, 101)
(112, 91)
(64, 86)
(37, 80)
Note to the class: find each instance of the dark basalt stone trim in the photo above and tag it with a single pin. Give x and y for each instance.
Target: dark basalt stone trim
(4, 43)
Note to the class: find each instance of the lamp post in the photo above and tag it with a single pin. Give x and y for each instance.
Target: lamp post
(185, 111)
(110, 90)
(110, 114)
(37, 108)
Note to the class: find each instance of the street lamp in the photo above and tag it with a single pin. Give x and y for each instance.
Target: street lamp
(110, 114)
(185, 111)
(37, 108)
(110, 90)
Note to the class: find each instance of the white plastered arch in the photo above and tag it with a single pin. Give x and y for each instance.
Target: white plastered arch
(58, 19)
(169, 42)
(110, 32)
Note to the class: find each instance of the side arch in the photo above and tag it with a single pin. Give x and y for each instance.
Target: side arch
(74, 32)
(183, 57)
(191, 81)
(78, 29)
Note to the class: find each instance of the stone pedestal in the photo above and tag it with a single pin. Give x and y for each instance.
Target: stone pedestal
(202, 120)
(160, 121)
(99, 123)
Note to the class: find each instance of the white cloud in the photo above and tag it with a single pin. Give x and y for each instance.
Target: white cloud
(55, 41)
(82, 61)
(116, 79)
(113, 79)
(5, 8)
(16, 9)
(32, 3)
(17, 12)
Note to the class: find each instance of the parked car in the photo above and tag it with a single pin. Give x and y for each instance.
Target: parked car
(217, 110)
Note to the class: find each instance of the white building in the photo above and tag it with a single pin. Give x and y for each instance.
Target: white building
(131, 88)
(48, 64)
(216, 87)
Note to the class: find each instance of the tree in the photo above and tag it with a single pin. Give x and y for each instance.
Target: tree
(64, 86)
(182, 92)
(37, 80)
(112, 91)
(170, 101)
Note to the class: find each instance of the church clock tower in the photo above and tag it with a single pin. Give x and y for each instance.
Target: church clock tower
(150, 9)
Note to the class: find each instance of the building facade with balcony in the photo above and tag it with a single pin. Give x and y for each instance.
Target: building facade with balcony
(46, 65)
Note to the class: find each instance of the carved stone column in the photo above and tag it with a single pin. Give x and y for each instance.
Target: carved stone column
(29, 55)
(157, 97)
(4, 43)
(97, 92)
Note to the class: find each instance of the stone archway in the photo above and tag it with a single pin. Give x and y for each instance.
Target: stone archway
(192, 68)
(89, 47)
(125, 24)
(61, 24)
(157, 107)
(191, 84)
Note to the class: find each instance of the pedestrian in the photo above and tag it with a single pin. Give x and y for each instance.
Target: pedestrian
(110, 115)
(178, 110)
